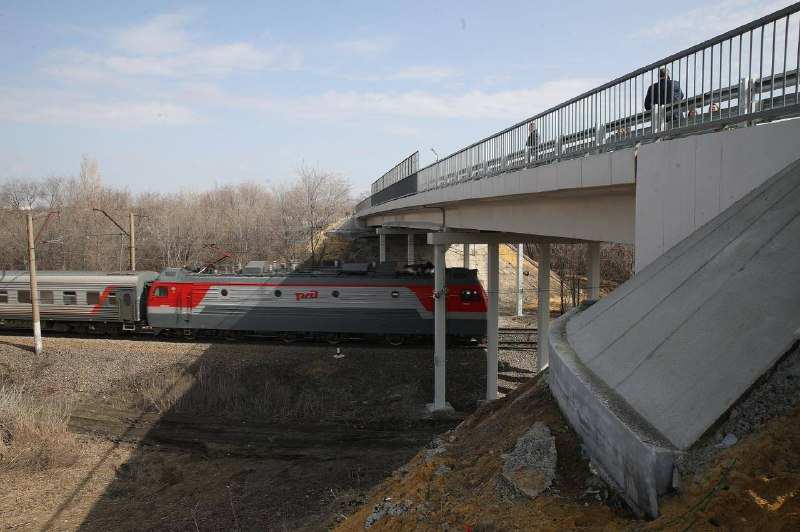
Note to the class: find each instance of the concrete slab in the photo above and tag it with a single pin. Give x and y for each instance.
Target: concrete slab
(623, 167)
(596, 170)
(679, 343)
(569, 174)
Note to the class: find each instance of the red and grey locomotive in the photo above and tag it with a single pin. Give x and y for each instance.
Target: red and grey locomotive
(328, 305)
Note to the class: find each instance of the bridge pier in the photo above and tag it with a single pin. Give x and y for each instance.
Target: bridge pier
(493, 287)
(441, 241)
(382, 247)
(466, 256)
(594, 270)
(410, 251)
(440, 403)
(519, 279)
(543, 312)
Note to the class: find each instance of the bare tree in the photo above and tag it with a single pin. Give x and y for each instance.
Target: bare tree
(325, 199)
(249, 220)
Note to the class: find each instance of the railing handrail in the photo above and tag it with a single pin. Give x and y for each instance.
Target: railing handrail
(781, 13)
(615, 114)
(412, 161)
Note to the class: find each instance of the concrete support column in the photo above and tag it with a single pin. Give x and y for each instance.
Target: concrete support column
(519, 279)
(410, 248)
(493, 287)
(543, 312)
(466, 256)
(594, 270)
(382, 247)
(440, 332)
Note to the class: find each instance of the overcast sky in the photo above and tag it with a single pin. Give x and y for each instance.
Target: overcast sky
(190, 95)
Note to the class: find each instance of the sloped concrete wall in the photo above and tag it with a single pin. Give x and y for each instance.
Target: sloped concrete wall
(678, 344)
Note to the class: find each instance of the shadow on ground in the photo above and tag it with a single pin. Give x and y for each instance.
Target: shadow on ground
(263, 437)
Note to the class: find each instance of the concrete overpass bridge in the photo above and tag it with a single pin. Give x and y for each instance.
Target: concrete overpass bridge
(653, 159)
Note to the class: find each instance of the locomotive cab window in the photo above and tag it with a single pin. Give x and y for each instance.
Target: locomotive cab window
(112, 298)
(161, 291)
(23, 296)
(70, 298)
(126, 299)
(46, 297)
(93, 298)
(3, 296)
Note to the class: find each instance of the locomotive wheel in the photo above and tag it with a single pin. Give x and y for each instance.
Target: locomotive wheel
(395, 340)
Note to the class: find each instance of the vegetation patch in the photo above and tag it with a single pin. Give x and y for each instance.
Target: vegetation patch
(33, 433)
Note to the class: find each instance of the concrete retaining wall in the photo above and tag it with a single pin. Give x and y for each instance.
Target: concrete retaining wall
(628, 453)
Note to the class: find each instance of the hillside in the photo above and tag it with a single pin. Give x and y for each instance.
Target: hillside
(750, 485)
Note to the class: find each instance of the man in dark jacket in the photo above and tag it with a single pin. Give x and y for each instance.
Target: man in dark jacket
(662, 92)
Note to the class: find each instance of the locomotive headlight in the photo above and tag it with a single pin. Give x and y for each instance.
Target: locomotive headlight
(470, 295)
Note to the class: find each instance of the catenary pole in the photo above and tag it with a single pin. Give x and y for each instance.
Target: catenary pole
(37, 327)
(132, 239)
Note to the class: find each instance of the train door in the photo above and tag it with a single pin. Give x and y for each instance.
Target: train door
(127, 310)
(184, 304)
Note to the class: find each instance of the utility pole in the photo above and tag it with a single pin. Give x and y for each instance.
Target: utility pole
(132, 238)
(37, 327)
(130, 233)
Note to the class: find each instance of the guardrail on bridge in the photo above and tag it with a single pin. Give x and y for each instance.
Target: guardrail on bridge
(740, 77)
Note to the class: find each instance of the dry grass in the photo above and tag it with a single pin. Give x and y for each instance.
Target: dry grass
(33, 433)
(226, 391)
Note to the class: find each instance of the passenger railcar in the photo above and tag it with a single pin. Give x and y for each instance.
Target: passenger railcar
(326, 304)
(76, 300)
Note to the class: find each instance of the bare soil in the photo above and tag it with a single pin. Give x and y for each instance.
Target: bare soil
(240, 436)
(753, 485)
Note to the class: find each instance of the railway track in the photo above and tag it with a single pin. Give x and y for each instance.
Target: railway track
(509, 338)
(517, 339)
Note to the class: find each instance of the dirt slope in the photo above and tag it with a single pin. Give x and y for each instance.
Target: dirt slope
(750, 486)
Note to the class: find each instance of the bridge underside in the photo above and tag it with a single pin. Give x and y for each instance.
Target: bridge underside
(604, 214)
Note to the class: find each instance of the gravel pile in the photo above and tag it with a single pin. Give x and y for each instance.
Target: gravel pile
(774, 395)
(515, 366)
(530, 467)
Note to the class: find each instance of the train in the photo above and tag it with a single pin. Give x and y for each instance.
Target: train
(333, 305)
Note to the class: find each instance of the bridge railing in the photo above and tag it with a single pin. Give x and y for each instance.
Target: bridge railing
(744, 76)
(403, 169)
(363, 204)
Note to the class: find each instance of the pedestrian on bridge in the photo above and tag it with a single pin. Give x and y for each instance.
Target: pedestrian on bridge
(664, 92)
(533, 141)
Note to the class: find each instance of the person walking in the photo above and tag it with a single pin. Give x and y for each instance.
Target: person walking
(664, 92)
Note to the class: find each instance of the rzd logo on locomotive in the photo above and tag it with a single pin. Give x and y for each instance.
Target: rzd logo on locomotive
(310, 294)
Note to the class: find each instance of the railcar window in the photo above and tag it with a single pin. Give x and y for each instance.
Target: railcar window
(3, 296)
(93, 298)
(24, 296)
(161, 291)
(70, 298)
(46, 297)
